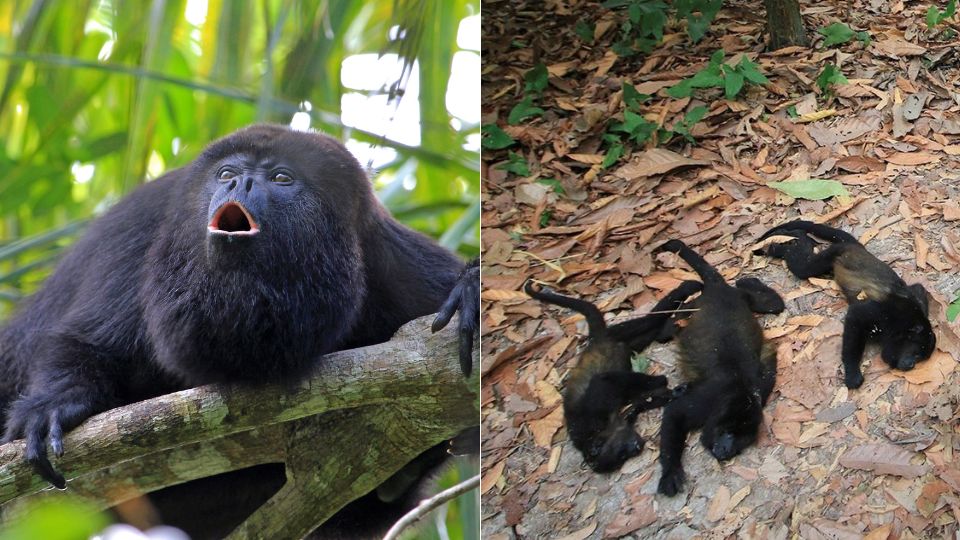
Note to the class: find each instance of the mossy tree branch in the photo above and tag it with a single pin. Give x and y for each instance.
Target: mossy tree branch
(361, 416)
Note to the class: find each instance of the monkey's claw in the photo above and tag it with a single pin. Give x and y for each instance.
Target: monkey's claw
(465, 298)
(671, 482)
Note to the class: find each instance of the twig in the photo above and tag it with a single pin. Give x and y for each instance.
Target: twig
(428, 505)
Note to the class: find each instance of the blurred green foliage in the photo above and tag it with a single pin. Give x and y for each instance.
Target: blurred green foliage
(99, 96)
(127, 90)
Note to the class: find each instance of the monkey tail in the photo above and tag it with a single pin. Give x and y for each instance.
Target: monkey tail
(595, 322)
(819, 230)
(707, 273)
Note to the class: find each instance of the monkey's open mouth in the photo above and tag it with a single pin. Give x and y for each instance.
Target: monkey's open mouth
(233, 219)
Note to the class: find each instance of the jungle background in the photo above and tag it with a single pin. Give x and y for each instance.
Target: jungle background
(99, 96)
(610, 127)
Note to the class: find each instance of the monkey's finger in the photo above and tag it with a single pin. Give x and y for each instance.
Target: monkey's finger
(36, 453)
(449, 307)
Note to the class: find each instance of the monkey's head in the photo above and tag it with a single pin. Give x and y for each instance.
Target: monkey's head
(910, 337)
(268, 193)
(733, 424)
(606, 438)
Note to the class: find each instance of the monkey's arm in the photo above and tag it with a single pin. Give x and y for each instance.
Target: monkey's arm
(860, 319)
(68, 387)
(465, 298)
(760, 297)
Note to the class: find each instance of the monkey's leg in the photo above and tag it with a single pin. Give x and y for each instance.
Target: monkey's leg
(768, 373)
(860, 319)
(760, 297)
(639, 333)
(800, 258)
(673, 438)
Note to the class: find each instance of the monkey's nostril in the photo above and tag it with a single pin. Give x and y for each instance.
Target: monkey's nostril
(233, 184)
(249, 184)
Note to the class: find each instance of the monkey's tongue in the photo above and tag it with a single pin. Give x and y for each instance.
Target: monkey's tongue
(233, 219)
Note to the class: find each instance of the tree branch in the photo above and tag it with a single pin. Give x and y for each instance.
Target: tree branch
(401, 397)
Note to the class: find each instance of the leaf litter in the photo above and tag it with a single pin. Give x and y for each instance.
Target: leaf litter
(878, 156)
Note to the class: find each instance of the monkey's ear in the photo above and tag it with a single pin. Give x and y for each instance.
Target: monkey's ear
(920, 294)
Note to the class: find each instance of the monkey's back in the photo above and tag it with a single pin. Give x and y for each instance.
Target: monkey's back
(722, 335)
(862, 276)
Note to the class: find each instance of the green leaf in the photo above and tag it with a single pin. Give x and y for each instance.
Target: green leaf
(951, 10)
(792, 111)
(933, 16)
(830, 76)
(536, 78)
(680, 90)
(522, 110)
(584, 31)
(545, 217)
(732, 84)
(692, 117)
(613, 155)
(494, 138)
(553, 183)
(863, 37)
(639, 363)
(516, 164)
(632, 98)
(953, 310)
(813, 190)
(717, 57)
(836, 34)
(749, 70)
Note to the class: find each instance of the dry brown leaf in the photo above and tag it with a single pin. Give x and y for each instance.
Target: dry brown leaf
(922, 248)
(491, 476)
(582, 534)
(544, 429)
(719, 504)
(929, 500)
(897, 46)
(638, 513)
(951, 211)
(912, 158)
(880, 533)
(846, 129)
(882, 458)
(590, 159)
(499, 295)
(655, 161)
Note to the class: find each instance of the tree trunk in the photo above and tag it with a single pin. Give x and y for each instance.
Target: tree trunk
(784, 24)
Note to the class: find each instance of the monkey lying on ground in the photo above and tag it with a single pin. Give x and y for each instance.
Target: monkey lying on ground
(728, 369)
(603, 396)
(266, 252)
(882, 306)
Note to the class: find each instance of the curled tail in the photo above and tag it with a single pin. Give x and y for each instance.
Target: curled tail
(595, 322)
(819, 230)
(707, 273)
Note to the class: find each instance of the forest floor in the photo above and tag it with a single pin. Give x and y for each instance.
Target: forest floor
(879, 462)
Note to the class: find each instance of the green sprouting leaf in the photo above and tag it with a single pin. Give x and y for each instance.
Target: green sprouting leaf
(749, 70)
(494, 138)
(717, 57)
(863, 37)
(536, 78)
(830, 76)
(692, 117)
(632, 98)
(813, 190)
(545, 217)
(639, 363)
(524, 109)
(953, 310)
(933, 16)
(836, 34)
(584, 31)
(951, 10)
(636, 126)
(553, 183)
(516, 164)
(680, 90)
(613, 155)
(732, 84)
(792, 111)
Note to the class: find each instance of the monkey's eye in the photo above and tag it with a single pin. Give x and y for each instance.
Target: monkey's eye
(282, 178)
(226, 175)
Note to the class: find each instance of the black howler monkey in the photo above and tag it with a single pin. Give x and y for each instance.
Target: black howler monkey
(249, 264)
(603, 396)
(727, 367)
(882, 306)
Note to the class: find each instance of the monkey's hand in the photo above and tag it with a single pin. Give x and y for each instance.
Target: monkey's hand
(42, 418)
(465, 298)
(671, 482)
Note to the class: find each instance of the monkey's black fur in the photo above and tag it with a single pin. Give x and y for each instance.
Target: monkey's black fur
(728, 370)
(603, 396)
(882, 306)
(249, 264)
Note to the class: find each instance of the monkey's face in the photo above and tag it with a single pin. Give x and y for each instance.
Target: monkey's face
(734, 426)
(914, 344)
(604, 435)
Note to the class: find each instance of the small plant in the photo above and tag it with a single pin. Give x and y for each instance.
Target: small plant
(693, 116)
(536, 82)
(646, 20)
(584, 31)
(839, 33)
(829, 77)
(720, 75)
(516, 164)
(935, 16)
(553, 183)
(494, 138)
